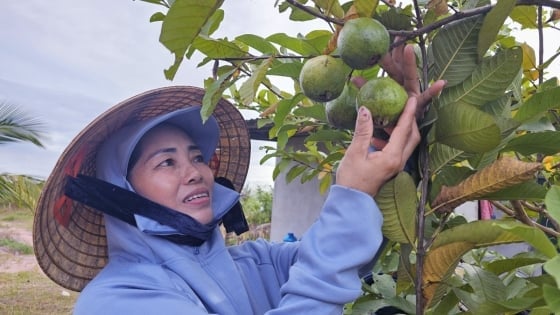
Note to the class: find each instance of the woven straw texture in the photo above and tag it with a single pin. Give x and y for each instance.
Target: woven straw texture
(69, 238)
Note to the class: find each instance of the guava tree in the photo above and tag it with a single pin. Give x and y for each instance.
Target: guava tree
(492, 135)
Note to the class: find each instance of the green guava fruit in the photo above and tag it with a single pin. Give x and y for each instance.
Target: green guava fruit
(385, 98)
(322, 78)
(362, 41)
(341, 112)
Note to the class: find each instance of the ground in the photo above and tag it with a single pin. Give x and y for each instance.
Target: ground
(11, 261)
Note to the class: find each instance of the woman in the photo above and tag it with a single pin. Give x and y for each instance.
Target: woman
(153, 177)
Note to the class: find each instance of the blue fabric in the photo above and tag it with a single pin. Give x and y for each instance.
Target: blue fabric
(316, 275)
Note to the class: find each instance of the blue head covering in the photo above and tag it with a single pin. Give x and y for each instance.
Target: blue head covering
(114, 155)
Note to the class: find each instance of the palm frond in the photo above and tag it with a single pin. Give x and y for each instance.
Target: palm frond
(16, 126)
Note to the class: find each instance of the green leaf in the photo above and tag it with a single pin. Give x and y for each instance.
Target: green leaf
(214, 92)
(467, 128)
(493, 22)
(536, 106)
(545, 142)
(532, 235)
(258, 43)
(365, 8)
(285, 107)
(181, 25)
(311, 45)
(287, 69)
(330, 7)
(325, 183)
(398, 202)
(552, 298)
(300, 15)
(442, 155)
(529, 191)
(249, 88)
(486, 285)
(480, 234)
(328, 135)
(454, 50)
(157, 17)
(525, 15)
(511, 264)
(552, 267)
(316, 111)
(552, 202)
(218, 48)
(294, 172)
(488, 81)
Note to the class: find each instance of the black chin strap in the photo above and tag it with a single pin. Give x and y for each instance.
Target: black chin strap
(234, 220)
(124, 204)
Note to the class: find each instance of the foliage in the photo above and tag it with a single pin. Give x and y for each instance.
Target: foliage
(492, 134)
(257, 204)
(19, 191)
(15, 126)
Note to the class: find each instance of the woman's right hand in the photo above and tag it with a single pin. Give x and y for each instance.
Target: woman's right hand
(367, 170)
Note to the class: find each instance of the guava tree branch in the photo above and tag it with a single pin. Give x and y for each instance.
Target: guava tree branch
(514, 214)
(459, 15)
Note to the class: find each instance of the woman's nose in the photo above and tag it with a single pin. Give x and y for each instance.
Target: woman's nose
(191, 174)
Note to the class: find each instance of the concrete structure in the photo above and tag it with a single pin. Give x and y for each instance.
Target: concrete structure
(295, 205)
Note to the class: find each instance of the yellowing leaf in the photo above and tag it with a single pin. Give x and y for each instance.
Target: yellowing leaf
(504, 172)
(530, 70)
(439, 265)
(439, 7)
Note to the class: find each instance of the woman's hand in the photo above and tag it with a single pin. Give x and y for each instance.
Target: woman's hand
(367, 170)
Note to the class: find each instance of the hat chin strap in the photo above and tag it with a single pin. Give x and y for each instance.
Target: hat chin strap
(124, 204)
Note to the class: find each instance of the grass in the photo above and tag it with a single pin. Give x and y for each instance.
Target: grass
(15, 246)
(17, 217)
(31, 292)
(28, 292)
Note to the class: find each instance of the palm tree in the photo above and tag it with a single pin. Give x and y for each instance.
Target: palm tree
(15, 126)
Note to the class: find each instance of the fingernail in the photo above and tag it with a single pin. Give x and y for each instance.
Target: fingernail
(363, 113)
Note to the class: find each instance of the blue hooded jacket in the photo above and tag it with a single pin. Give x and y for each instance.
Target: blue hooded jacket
(147, 274)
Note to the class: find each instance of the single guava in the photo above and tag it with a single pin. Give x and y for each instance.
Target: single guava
(362, 41)
(322, 78)
(385, 98)
(341, 112)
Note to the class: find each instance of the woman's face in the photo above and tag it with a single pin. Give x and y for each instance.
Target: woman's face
(171, 171)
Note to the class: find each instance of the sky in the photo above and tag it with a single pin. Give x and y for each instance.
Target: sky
(65, 62)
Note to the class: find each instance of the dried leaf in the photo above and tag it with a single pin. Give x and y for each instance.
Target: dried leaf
(503, 173)
(438, 6)
(555, 16)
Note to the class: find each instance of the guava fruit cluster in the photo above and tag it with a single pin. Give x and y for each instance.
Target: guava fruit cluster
(360, 44)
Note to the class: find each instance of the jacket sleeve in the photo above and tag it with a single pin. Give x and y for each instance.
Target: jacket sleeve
(345, 237)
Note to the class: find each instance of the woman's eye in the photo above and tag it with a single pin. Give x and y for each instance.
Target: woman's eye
(199, 159)
(168, 162)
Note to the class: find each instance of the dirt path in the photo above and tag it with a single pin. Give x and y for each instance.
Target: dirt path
(11, 261)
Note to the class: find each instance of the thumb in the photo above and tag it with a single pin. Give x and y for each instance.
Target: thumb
(363, 131)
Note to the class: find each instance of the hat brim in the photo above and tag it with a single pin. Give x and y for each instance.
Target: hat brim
(69, 238)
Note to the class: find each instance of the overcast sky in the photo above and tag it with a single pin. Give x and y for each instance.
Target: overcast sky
(67, 61)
